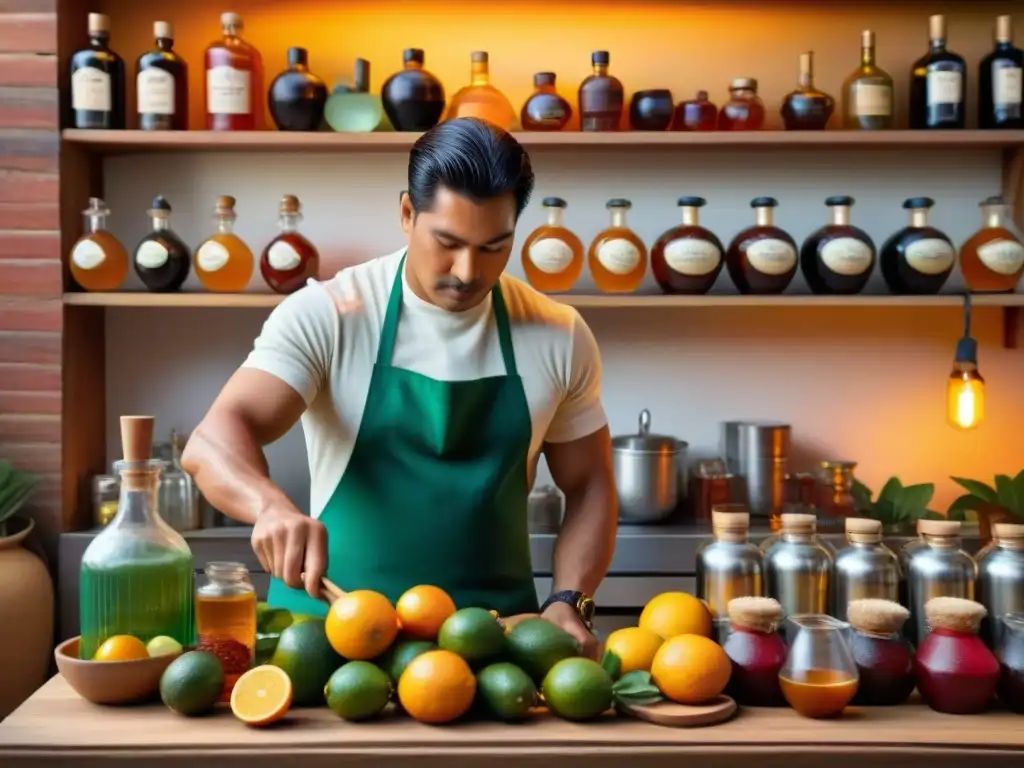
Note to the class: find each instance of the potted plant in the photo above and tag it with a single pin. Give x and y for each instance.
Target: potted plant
(993, 504)
(898, 506)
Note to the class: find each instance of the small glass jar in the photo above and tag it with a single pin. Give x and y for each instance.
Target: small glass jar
(710, 485)
(756, 650)
(696, 114)
(744, 111)
(106, 490)
(226, 619)
(885, 661)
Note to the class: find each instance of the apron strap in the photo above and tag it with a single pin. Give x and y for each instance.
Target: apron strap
(504, 330)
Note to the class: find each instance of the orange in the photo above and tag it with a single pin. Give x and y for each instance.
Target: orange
(437, 687)
(422, 610)
(262, 695)
(676, 613)
(635, 647)
(121, 648)
(691, 669)
(361, 625)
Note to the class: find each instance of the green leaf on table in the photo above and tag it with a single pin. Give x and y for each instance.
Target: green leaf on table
(612, 664)
(266, 644)
(977, 488)
(272, 620)
(1006, 493)
(637, 688)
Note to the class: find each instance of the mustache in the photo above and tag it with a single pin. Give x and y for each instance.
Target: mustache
(455, 283)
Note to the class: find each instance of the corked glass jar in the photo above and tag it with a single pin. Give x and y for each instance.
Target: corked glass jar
(885, 660)
(756, 650)
(956, 673)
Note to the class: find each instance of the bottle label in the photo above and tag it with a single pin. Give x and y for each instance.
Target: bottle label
(550, 255)
(87, 254)
(1008, 86)
(155, 92)
(90, 90)
(846, 256)
(930, 256)
(1004, 257)
(227, 91)
(945, 87)
(151, 255)
(771, 256)
(872, 100)
(691, 256)
(619, 256)
(283, 257)
(212, 256)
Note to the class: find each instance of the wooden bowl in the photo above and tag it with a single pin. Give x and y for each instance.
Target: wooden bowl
(111, 682)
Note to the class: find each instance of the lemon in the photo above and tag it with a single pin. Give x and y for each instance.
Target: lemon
(162, 645)
(635, 647)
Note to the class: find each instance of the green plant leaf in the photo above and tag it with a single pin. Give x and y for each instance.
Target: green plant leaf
(891, 490)
(977, 488)
(1007, 494)
(961, 506)
(636, 687)
(265, 647)
(913, 501)
(1018, 484)
(612, 664)
(861, 496)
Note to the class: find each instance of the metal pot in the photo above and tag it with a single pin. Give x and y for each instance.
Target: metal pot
(648, 468)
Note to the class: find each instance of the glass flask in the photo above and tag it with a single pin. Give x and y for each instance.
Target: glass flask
(820, 676)
(226, 619)
(1010, 653)
(178, 496)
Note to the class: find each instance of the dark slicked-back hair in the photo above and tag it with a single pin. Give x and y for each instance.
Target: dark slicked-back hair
(470, 157)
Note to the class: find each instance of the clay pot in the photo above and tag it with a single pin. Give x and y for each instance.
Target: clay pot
(111, 682)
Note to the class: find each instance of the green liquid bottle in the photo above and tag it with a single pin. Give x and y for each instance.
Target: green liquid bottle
(354, 109)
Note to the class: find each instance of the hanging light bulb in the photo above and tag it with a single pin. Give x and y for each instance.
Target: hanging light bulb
(965, 388)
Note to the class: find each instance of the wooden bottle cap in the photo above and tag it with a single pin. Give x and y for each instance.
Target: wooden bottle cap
(290, 204)
(1008, 532)
(938, 527)
(730, 517)
(863, 530)
(793, 522)
(99, 22)
(137, 437)
(882, 617)
(225, 203)
(759, 613)
(955, 614)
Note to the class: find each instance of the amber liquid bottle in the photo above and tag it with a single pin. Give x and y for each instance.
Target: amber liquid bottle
(867, 92)
(807, 108)
(744, 111)
(290, 259)
(762, 258)
(162, 260)
(480, 99)
(919, 258)
(992, 259)
(161, 82)
(839, 257)
(697, 114)
(234, 81)
(688, 257)
(552, 254)
(617, 257)
(600, 97)
(98, 260)
(545, 110)
(224, 262)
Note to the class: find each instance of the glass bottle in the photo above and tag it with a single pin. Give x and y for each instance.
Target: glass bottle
(137, 574)
(940, 568)
(820, 676)
(355, 109)
(992, 259)
(552, 254)
(224, 262)
(97, 80)
(297, 96)
(1001, 82)
(807, 108)
(161, 83)
(696, 114)
(98, 260)
(867, 92)
(617, 257)
(1010, 653)
(226, 619)
(885, 660)
(687, 258)
(728, 566)
(937, 82)
(545, 110)
(480, 98)
(234, 80)
(744, 111)
(290, 259)
(839, 257)
(1000, 586)
(865, 568)
(413, 98)
(162, 260)
(798, 567)
(917, 259)
(177, 495)
(757, 652)
(601, 97)
(762, 259)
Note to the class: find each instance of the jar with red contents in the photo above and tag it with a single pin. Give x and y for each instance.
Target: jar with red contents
(226, 619)
(885, 660)
(756, 650)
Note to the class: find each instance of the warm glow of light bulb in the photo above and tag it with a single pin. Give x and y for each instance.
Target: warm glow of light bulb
(965, 398)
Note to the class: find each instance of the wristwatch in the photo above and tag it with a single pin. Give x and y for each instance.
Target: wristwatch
(584, 604)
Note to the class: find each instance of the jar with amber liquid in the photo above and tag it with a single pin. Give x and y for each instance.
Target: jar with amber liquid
(617, 257)
(553, 255)
(807, 108)
(820, 675)
(545, 110)
(839, 257)
(919, 258)
(290, 259)
(162, 260)
(98, 260)
(601, 97)
(762, 258)
(688, 257)
(224, 262)
(696, 114)
(744, 111)
(992, 259)
(480, 99)
(226, 619)
(234, 80)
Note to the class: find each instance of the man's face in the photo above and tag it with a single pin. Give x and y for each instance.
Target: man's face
(459, 248)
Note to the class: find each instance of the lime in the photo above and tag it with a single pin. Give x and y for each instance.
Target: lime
(397, 657)
(358, 690)
(506, 691)
(192, 683)
(577, 689)
(304, 653)
(474, 634)
(162, 645)
(537, 645)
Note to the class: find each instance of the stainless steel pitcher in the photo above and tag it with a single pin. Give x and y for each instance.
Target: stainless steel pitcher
(798, 568)
(865, 567)
(729, 565)
(939, 568)
(1001, 579)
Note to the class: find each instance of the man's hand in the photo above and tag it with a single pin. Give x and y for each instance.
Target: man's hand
(564, 615)
(291, 546)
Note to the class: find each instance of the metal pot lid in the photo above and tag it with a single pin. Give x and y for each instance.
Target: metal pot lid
(645, 441)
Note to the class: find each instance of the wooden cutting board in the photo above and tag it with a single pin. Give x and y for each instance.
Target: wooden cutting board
(673, 715)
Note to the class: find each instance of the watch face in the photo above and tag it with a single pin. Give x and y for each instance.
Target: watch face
(585, 606)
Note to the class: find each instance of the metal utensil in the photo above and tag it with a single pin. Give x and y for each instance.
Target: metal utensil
(647, 473)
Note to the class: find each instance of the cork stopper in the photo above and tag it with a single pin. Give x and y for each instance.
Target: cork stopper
(799, 523)
(137, 437)
(877, 617)
(225, 204)
(230, 19)
(290, 204)
(99, 22)
(758, 613)
(807, 63)
(937, 27)
(163, 30)
(730, 522)
(1004, 29)
(863, 530)
(479, 57)
(867, 39)
(954, 614)
(939, 528)
(1009, 535)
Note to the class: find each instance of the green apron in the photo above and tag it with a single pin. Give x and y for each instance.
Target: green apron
(435, 491)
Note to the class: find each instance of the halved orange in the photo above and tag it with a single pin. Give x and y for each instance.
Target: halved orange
(262, 695)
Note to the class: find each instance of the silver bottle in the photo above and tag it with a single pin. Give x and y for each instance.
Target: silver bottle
(904, 554)
(729, 565)
(798, 567)
(1001, 579)
(865, 567)
(939, 568)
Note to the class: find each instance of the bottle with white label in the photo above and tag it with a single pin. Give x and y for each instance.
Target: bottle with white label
(687, 258)
(762, 259)
(97, 80)
(938, 83)
(552, 254)
(867, 92)
(290, 259)
(1001, 82)
(234, 80)
(162, 260)
(98, 261)
(161, 84)
(992, 260)
(617, 257)
(224, 262)
(839, 257)
(919, 258)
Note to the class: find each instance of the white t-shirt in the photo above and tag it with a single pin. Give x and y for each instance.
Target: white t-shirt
(326, 353)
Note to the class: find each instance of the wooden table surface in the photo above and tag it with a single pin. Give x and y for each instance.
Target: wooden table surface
(56, 727)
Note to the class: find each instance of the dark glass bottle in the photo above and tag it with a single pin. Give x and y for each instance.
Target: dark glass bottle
(600, 97)
(297, 96)
(762, 259)
(162, 261)
(744, 111)
(289, 260)
(687, 258)
(937, 84)
(97, 80)
(545, 110)
(919, 258)
(696, 114)
(1000, 81)
(651, 110)
(413, 98)
(807, 108)
(839, 257)
(161, 80)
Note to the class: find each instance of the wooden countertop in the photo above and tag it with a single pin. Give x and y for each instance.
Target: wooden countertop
(55, 727)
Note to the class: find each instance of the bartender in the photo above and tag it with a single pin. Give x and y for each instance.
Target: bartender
(428, 382)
